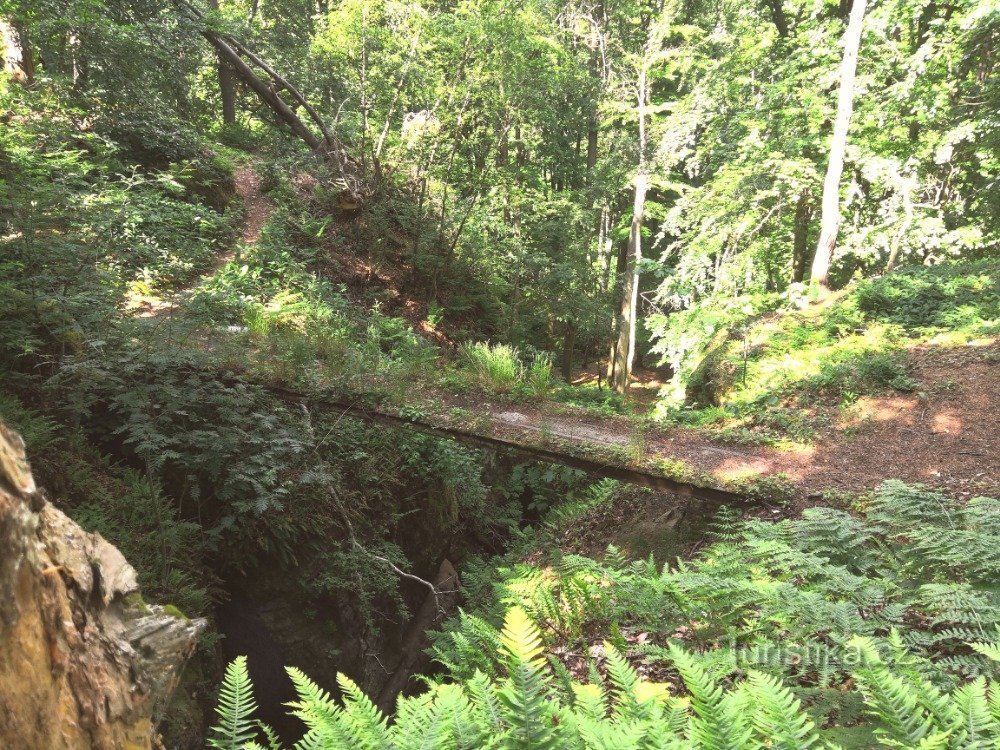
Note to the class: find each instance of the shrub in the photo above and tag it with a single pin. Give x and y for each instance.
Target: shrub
(946, 296)
(603, 401)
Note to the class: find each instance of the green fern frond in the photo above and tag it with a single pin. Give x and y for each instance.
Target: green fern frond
(236, 706)
(524, 695)
(892, 700)
(520, 638)
(590, 701)
(365, 722)
(273, 743)
(975, 725)
(321, 715)
(414, 716)
(718, 723)
(623, 681)
(460, 728)
(989, 649)
(777, 715)
(485, 702)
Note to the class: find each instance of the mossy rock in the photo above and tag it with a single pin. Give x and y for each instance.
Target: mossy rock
(715, 374)
(174, 611)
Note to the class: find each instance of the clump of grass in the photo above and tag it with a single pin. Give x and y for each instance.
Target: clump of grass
(496, 366)
(539, 375)
(257, 319)
(637, 441)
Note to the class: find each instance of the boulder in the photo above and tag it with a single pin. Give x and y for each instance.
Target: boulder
(84, 662)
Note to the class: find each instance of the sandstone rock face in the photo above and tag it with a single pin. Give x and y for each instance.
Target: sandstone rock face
(84, 663)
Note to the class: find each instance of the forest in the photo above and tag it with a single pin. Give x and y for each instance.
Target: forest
(520, 374)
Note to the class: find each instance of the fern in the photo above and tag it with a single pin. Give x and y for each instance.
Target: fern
(718, 722)
(236, 706)
(991, 649)
(524, 695)
(319, 713)
(778, 717)
(361, 718)
(973, 725)
(524, 712)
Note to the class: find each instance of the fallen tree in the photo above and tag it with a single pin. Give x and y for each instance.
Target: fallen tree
(242, 61)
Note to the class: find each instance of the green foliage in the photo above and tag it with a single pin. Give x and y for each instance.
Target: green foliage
(857, 346)
(496, 366)
(538, 376)
(522, 704)
(546, 485)
(786, 600)
(601, 401)
(963, 297)
(521, 708)
(913, 712)
(500, 145)
(84, 231)
(236, 705)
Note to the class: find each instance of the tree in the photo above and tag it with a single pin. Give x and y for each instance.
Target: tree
(227, 86)
(830, 216)
(623, 354)
(18, 59)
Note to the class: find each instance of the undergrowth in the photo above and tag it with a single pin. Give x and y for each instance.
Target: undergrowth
(877, 629)
(855, 345)
(913, 573)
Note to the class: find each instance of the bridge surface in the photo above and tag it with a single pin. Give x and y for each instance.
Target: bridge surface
(903, 442)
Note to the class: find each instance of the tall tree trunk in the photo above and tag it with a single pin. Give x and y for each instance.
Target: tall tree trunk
(569, 342)
(628, 312)
(592, 134)
(904, 228)
(18, 60)
(227, 86)
(621, 263)
(605, 243)
(800, 241)
(227, 90)
(624, 353)
(830, 218)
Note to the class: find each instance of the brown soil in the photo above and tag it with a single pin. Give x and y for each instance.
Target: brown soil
(258, 207)
(944, 435)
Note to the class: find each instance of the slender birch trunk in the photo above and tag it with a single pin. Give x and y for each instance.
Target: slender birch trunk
(830, 218)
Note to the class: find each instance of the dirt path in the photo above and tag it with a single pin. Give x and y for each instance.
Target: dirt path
(947, 435)
(258, 209)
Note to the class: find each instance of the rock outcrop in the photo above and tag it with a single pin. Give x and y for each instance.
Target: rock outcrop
(84, 663)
